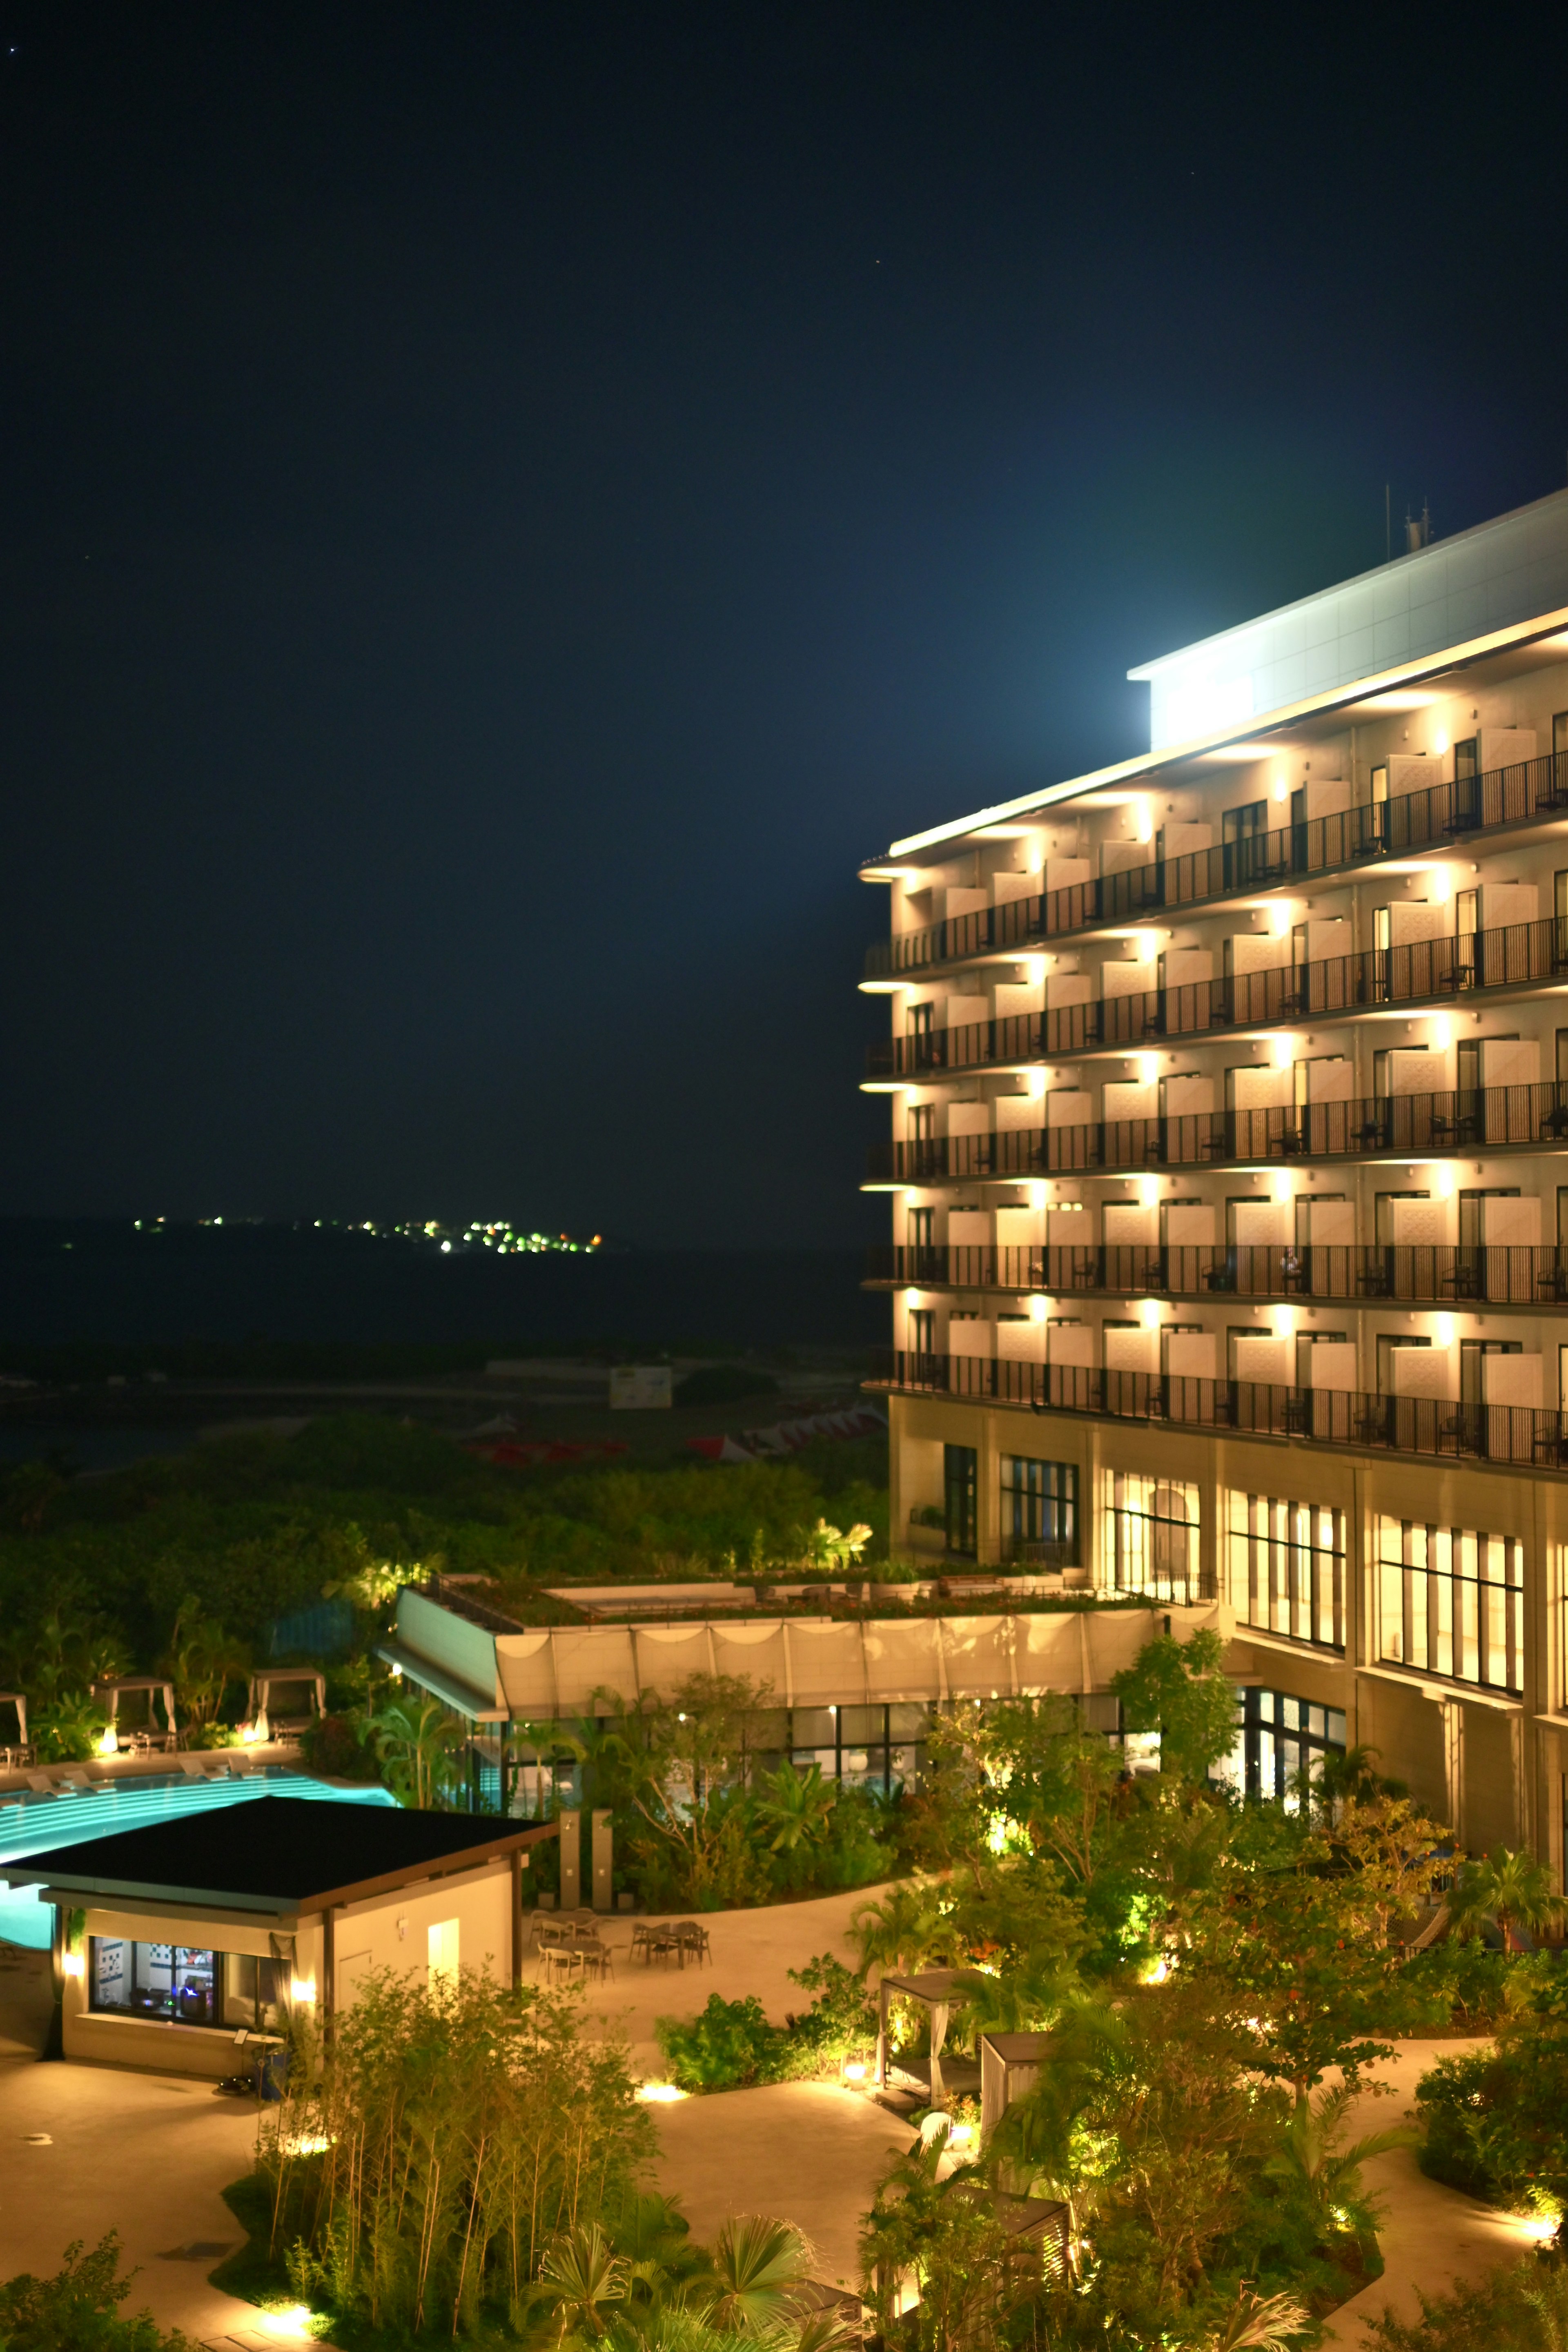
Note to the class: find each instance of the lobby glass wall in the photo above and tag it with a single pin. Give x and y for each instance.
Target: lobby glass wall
(1154, 1538)
(1288, 1568)
(1451, 1602)
(1277, 1737)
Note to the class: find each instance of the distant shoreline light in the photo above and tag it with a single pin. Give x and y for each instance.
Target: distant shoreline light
(505, 1239)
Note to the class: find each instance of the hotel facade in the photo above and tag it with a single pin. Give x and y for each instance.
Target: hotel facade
(1229, 1169)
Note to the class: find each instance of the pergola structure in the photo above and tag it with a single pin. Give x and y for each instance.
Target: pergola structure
(1009, 2067)
(155, 1687)
(937, 1989)
(18, 1700)
(262, 1686)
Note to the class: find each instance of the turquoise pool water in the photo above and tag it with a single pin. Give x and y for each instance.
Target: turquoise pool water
(34, 1824)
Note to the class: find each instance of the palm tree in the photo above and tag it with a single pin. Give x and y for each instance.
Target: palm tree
(795, 1806)
(1326, 2178)
(416, 1738)
(757, 2263)
(902, 1930)
(1256, 2324)
(582, 2279)
(1512, 1889)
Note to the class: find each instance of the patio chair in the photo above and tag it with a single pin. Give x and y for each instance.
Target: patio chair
(642, 1942)
(693, 1938)
(561, 1962)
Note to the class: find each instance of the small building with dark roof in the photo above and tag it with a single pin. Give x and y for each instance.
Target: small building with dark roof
(200, 1929)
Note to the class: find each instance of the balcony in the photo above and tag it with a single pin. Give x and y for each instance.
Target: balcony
(1431, 819)
(1436, 970)
(1517, 1436)
(1363, 1127)
(1406, 1274)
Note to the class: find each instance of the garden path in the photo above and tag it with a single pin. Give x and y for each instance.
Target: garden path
(1431, 2235)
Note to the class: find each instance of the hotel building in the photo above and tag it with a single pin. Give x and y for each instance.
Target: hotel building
(1229, 1169)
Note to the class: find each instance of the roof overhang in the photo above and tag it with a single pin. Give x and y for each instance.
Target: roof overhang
(96, 1889)
(460, 1696)
(1521, 635)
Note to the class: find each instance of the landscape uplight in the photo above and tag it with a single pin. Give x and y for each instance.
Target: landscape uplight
(660, 2094)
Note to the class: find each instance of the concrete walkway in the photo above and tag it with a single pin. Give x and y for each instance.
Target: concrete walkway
(809, 2153)
(88, 2149)
(752, 1952)
(1430, 2235)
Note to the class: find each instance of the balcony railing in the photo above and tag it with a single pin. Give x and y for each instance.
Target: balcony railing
(1519, 1436)
(1433, 1274)
(1362, 1127)
(1456, 964)
(1423, 820)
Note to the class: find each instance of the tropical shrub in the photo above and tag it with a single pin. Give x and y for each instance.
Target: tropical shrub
(78, 2309)
(1521, 2309)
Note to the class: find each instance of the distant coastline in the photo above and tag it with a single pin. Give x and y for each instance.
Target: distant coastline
(103, 1282)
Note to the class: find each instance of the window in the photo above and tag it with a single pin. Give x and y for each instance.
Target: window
(1278, 1737)
(1039, 1512)
(1154, 1538)
(880, 1748)
(1451, 1602)
(1288, 1568)
(180, 1984)
(961, 1496)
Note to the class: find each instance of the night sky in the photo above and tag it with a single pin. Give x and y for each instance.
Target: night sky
(505, 506)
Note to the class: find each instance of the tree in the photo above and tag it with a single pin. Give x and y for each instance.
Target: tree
(415, 1739)
(903, 1929)
(1510, 1888)
(1392, 1850)
(1180, 1689)
(204, 1658)
(1296, 1973)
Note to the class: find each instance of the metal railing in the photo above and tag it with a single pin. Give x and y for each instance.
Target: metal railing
(1438, 814)
(1521, 1435)
(1362, 1127)
(1453, 965)
(1435, 1274)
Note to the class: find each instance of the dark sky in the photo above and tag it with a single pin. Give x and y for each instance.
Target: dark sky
(504, 505)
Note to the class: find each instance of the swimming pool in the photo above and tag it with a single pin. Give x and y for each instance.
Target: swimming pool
(35, 1824)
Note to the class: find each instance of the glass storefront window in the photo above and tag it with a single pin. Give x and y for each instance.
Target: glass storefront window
(180, 1984)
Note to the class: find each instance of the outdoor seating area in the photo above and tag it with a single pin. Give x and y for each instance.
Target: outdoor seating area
(572, 1948)
(675, 1939)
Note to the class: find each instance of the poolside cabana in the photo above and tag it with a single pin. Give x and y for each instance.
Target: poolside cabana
(938, 1990)
(155, 1687)
(18, 1700)
(258, 1706)
(226, 1920)
(1009, 2067)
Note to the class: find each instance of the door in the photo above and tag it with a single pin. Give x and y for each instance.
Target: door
(1299, 830)
(1467, 926)
(1470, 1268)
(921, 1047)
(1383, 946)
(920, 1260)
(961, 1498)
(922, 1329)
(1244, 838)
(1469, 1110)
(1560, 755)
(1466, 782)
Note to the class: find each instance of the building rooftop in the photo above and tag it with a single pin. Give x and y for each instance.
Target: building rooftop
(284, 1855)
